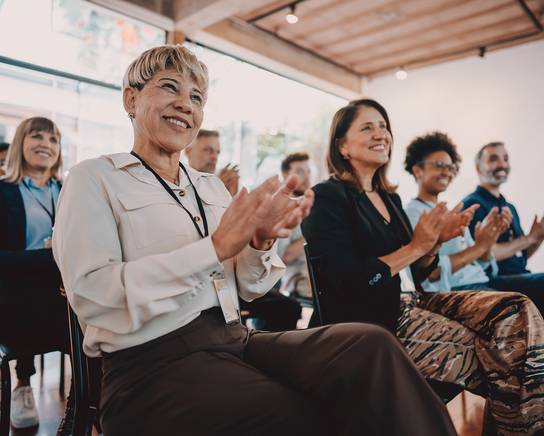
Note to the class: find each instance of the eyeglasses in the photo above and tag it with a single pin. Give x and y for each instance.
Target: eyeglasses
(439, 165)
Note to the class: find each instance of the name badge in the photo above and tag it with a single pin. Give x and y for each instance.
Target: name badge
(229, 309)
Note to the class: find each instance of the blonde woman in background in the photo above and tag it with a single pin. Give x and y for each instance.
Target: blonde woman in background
(33, 314)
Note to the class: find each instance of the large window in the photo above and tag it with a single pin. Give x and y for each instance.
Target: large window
(74, 36)
(261, 116)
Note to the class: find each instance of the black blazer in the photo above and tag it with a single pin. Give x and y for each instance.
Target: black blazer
(345, 238)
(21, 271)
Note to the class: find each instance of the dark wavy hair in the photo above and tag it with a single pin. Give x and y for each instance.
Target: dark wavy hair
(423, 146)
(341, 168)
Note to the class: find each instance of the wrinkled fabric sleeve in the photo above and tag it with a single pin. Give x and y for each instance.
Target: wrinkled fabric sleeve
(105, 291)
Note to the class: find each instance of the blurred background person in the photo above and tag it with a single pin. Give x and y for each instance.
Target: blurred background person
(295, 281)
(513, 247)
(202, 155)
(3, 153)
(273, 311)
(33, 317)
(434, 162)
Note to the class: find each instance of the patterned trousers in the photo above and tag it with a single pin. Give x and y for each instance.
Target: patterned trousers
(483, 341)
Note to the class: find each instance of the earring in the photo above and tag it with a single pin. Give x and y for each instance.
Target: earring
(131, 115)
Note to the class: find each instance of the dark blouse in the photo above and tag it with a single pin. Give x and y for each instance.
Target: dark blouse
(346, 235)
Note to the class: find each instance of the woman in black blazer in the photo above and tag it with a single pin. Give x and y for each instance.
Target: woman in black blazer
(370, 264)
(32, 313)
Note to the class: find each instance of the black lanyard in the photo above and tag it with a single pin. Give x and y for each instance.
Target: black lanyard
(173, 195)
(51, 212)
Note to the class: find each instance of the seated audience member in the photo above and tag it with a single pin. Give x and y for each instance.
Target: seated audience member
(366, 253)
(33, 314)
(3, 153)
(154, 272)
(513, 247)
(203, 154)
(295, 281)
(433, 161)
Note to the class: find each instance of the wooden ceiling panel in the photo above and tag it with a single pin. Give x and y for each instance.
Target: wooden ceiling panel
(378, 20)
(349, 38)
(436, 32)
(410, 23)
(454, 43)
(323, 24)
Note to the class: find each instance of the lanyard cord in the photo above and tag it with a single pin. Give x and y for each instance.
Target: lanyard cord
(50, 213)
(173, 195)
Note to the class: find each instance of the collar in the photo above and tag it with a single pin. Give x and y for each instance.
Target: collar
(30, 183)
(486, 194)
(127, 160)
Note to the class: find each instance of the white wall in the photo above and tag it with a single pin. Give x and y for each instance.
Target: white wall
(475, 101)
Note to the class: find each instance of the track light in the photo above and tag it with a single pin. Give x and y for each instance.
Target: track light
(401, 74)
(291, 17)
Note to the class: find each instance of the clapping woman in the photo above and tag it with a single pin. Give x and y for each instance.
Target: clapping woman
(154, 256)
(33, 314)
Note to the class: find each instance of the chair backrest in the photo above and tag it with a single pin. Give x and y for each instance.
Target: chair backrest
(84, 380)
(316, 291)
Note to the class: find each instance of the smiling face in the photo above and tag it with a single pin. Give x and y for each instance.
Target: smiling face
(367, 142)
(435, 173)
(168, 110)
(41, 150)
(494, 166)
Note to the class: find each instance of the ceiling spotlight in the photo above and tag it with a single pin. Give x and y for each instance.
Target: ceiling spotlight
(291, 17)
(401, 74)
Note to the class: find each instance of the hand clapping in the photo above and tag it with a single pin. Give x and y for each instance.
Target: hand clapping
(260, 216)
(456, 221)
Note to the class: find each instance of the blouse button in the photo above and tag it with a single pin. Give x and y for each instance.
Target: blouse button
(182, 193)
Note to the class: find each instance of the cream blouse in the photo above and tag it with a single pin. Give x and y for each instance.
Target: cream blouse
(133, 265)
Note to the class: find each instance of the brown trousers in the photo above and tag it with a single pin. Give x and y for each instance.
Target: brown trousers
(208, 378)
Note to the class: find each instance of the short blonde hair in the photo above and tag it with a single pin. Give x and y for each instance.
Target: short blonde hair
(184, 61)
(15, 157)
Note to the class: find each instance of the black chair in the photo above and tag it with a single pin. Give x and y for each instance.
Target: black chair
(6, 354)
(446, 391)
(85, 380)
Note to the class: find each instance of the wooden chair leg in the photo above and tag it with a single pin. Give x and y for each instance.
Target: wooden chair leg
(62, 375)
(5, 397)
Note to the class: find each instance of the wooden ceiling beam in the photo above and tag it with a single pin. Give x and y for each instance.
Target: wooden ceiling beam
(256, 46)
(194, 15)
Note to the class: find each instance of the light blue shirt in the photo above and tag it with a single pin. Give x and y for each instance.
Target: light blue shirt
(470, 274)
(39, 225)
